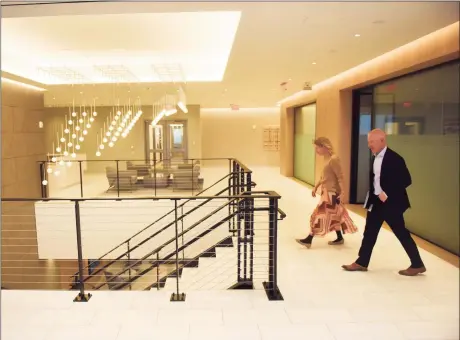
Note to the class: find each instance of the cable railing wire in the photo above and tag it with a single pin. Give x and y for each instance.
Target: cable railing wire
(227, 225)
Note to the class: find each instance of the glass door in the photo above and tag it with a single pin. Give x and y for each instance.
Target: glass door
(304, 151)
(177, 145)
(166, 142)
(362, 124)
(155, 145)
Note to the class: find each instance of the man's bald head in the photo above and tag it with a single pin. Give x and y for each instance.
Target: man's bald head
(376, 140)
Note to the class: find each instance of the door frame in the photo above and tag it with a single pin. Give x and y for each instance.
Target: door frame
(185, 136)
(166, 137)
(356, 114)
(294, 110)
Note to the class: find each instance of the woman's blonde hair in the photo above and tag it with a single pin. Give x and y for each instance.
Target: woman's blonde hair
(324, 142)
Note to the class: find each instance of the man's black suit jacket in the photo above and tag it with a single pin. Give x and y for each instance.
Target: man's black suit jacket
(394, 179)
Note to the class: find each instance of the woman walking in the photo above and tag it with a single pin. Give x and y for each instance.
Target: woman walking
(330, 214)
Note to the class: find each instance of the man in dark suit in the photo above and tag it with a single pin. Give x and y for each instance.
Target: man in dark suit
(386, 201)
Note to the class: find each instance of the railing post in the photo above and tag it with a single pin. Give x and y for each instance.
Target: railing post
(158, 270)
(155, 176)
(81, 179)
(182, 230)
(242, 240)
(240, 208)
(230, 161)
(234, 193)
(248, 241)
(193, 165)
(241, 183)
(238, 179)
(129, 264)
(118, 180)
(250, 237)
(271, 287)
(81, 297)
(248, 181)
(230, 192)
(42, 178)
(177, 296)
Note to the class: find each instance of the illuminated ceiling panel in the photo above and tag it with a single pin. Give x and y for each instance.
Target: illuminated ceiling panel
(143, 47)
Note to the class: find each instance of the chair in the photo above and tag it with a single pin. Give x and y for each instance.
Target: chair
(126, 179)
(186, 177)
(141, 169)
(160, 182)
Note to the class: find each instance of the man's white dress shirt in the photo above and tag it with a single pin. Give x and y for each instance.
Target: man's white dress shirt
(377, 171)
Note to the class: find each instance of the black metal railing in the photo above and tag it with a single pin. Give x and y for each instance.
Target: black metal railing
(256, 214)
(161, 250)
(239, 180)
(63, 177)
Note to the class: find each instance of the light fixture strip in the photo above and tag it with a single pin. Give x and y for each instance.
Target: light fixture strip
(28, 86)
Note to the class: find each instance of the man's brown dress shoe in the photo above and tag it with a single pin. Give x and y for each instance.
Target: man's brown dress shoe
(354, 267)
(412, 271)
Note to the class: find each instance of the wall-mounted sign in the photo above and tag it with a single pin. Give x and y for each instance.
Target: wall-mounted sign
(271, 138)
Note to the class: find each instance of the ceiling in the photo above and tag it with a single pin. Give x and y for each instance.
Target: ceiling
(139, 47)
(274, 43)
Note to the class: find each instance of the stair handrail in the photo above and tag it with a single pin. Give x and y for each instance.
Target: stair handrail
(194, 225)
(243, 196)
(282, 214)
(97, 271)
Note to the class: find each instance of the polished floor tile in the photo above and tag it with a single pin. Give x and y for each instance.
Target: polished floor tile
(310, 332)
(321, 301)
(430, 330)
(365, 331)
(228, 332)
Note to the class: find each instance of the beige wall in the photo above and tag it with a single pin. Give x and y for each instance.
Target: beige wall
(22, 140)
(22, 146)
(334, 96)
(130, 148)
(227, 133)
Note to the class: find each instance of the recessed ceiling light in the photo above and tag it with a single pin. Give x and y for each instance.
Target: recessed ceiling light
(314, 63)
(289, 79)
(357, 35)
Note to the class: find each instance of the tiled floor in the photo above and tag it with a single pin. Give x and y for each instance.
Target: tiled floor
(321, 301)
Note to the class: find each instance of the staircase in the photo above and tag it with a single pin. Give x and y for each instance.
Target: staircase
(201, 224)
(214, 269)
(174, 259)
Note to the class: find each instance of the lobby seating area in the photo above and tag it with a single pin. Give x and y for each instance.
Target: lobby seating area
(176, 177)
(123, 180)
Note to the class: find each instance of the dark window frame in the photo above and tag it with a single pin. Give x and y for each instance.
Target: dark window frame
(369, 89)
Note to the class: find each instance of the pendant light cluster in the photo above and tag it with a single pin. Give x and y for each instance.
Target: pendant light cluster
(121, 120)
(119, 124)
(70, 137)
(166, 106)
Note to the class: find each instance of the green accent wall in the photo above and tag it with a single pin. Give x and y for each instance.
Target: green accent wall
(304, 151)
(422, 122)
(433, 161)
